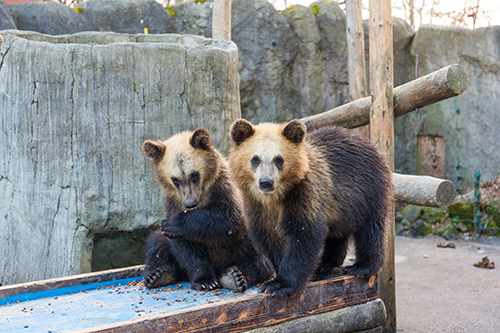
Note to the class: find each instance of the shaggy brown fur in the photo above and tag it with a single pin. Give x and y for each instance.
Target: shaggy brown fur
(306, 196)
(203, 235)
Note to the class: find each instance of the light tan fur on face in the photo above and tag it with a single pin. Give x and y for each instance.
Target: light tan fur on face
(267, 143)
(179, 161)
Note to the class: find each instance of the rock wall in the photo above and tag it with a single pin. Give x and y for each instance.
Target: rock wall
(6, 20)
(72, 124)
(128, 16)
(469, 122)
(49, 17)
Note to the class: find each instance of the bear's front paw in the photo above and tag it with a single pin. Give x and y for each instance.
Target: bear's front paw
(158, 278)
(280, 288)
(361, 271)
(324, 269)
(170, 229)
(206, 285)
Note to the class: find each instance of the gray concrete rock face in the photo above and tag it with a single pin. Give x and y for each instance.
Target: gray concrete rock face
(6, 20)
(267, 49)
(472, 136)
(194, 18)
(49, 17)
(73, 121)
(129, 16)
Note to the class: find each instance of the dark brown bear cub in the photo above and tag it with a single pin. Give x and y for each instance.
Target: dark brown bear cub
(306, 196)
(203, 238)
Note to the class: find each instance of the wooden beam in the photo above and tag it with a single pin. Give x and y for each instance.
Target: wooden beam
(256, 310)
(355, 50)
(221, 20)
(356, 56)
(423, 190)
(382, 133)
(365, 317)
(72, 280)
(447, 82)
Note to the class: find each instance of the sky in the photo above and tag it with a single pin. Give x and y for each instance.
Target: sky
(492, 8)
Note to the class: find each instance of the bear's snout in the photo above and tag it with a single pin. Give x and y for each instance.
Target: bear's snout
(190, 203)
(266, 184)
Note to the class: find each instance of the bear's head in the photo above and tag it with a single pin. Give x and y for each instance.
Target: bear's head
(185, 165)
(266, 158)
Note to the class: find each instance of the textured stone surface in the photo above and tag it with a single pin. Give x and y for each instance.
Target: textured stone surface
(49, 17)
(472, 136)
(267, 50)
(129, 16)
(194, 18)
(6, 20)
(72, 125)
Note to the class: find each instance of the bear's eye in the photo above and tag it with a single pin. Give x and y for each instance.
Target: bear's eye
(176, 182)
(195, 177)
(255, 161)
(278, 161)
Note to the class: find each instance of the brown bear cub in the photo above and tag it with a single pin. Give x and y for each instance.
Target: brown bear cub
(203, 238)
(306, 196)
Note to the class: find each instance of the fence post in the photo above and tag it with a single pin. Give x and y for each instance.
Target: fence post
(382, 131)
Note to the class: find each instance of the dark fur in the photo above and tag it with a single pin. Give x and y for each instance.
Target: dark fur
(347, 175)
(200, 245)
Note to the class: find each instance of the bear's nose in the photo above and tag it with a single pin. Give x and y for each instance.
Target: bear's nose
(266, 183)
(190, 203)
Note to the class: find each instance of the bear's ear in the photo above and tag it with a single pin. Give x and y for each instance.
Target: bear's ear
(200, 139)
(154, 150)
(241, 130)
(295, 131)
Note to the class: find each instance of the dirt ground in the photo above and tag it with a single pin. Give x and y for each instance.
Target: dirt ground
(439, 290)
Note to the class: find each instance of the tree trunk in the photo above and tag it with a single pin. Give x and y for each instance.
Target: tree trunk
(382, 132)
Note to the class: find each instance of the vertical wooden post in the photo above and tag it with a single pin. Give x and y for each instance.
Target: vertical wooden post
(356, 56)
(221, 20)
(382, 130)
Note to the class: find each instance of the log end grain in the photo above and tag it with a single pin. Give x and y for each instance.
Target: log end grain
(445, 193)
(457, 79)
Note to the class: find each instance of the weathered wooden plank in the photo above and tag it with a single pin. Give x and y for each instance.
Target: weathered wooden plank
(69, 281)
(382, 132)
(221, 20)
(447, 82)
(423, 190)
(356, 57)
(431, 155)
(256, 310)
(132, 308)
(356, 318)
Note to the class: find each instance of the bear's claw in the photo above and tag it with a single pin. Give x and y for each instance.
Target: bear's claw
(158, 278)
(205, 285)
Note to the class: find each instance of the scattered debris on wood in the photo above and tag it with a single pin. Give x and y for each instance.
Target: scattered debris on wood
(485, 263)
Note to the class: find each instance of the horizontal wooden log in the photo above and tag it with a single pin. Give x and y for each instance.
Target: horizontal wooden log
(423, 190)
(355, 318)
(437, 86)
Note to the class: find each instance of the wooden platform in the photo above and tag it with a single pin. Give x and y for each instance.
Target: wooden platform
(116, 301)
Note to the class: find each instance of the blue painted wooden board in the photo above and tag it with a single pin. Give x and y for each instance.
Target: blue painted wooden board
(115, 301)
(74, 308)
